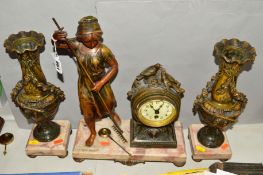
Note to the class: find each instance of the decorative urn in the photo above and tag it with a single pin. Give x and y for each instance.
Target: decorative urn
(220, 103)
(37, 99)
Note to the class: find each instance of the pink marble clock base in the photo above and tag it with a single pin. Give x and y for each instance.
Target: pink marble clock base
(57, 147)
(200, 152)
(104, 148)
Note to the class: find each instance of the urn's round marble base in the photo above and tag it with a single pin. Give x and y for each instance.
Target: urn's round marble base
(46, 131)
(210, 137)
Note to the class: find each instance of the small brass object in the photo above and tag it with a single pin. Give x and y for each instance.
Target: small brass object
(36, 98)
(106, 133)
(155, 104)
(6, 139)
(220, 103)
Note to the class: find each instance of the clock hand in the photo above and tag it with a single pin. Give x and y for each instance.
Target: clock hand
(156, 111)
(160, 106)
(152, 106)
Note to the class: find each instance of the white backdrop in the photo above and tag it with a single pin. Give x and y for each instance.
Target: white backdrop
(180, 34)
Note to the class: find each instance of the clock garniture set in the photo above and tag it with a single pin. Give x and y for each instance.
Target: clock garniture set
(155, 99)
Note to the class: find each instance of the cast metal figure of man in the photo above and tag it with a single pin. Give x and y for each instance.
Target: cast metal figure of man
(97, 66)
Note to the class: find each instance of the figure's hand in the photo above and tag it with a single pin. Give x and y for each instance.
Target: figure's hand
(98, 86)
(60, 35)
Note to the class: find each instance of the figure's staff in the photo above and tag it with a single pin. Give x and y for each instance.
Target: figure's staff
(89, 78)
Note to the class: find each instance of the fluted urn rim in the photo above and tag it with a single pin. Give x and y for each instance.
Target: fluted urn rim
(234, 50)
(24, 41)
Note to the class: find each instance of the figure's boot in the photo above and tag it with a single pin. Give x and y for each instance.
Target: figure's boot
(91, 125)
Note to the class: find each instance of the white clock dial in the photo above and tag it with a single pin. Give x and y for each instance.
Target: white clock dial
(157, 110)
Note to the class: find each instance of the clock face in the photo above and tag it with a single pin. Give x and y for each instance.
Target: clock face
(157, 113)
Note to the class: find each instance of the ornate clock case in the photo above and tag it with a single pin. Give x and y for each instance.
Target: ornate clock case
(155, 103)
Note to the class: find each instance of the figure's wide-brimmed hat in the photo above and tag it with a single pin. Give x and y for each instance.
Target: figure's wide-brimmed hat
(88, 25)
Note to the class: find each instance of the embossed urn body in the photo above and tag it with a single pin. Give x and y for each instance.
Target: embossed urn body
(37, 99)
(220, 103)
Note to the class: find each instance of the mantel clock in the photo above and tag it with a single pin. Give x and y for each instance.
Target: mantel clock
(155, 103)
